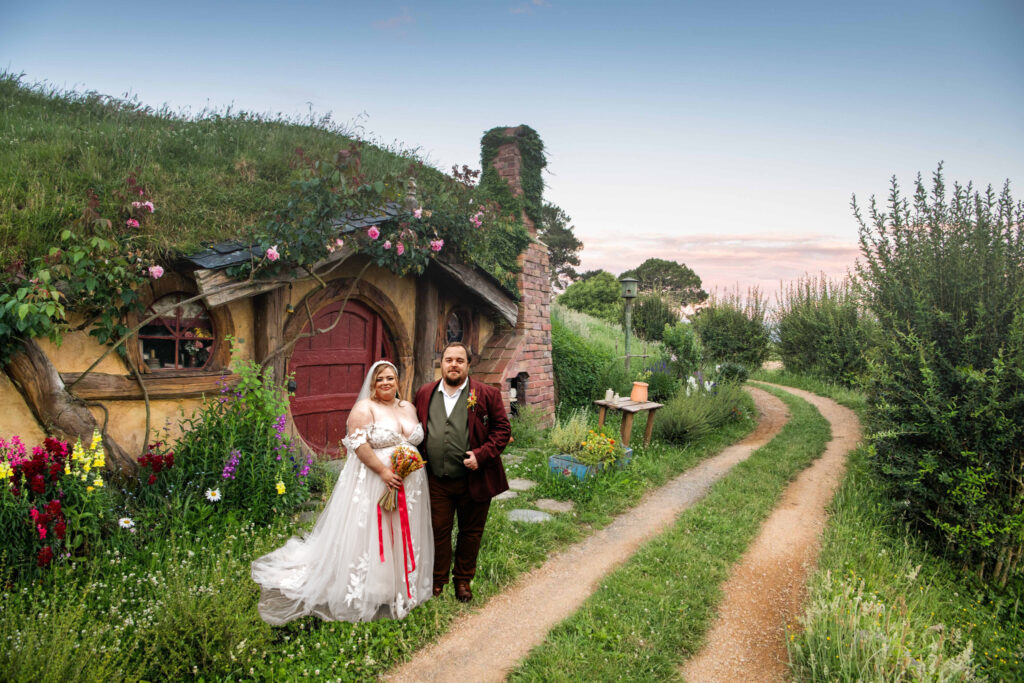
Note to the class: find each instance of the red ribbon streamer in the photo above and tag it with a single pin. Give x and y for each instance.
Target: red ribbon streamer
(407, 552)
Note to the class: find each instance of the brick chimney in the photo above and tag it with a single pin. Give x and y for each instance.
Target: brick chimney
(529, 366)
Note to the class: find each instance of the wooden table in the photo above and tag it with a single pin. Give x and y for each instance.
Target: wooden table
(629, 409)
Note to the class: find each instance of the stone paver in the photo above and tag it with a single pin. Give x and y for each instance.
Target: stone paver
(552, 505)
(521, 484)
(532, 516)
(507, 495)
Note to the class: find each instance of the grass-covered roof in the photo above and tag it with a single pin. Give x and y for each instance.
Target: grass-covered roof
(210, 176)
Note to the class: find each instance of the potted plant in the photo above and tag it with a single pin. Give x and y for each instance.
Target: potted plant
(584, 451)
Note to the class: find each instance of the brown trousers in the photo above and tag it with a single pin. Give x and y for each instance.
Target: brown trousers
(448, 498)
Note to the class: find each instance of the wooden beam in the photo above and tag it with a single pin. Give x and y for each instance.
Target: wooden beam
(427, 313)
(218, 289)
(270, 315)
(494, 295)
(98, 386)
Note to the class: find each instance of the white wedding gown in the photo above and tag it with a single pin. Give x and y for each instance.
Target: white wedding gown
(336, 572)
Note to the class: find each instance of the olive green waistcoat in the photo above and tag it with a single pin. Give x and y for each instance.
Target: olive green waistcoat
(447, 436)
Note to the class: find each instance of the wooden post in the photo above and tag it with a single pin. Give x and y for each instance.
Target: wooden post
(600, 416)
(650, 427)
(427, 314)
(627, 428)
(268, 324)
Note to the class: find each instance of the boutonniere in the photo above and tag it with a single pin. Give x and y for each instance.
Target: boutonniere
(471, 401)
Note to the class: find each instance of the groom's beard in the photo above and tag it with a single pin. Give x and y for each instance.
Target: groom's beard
(454, 382)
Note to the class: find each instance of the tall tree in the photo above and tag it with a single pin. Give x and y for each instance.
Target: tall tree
(598, 296)
(556, 231)
(668, 278)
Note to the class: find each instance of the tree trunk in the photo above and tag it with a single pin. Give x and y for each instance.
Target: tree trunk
(60, 412)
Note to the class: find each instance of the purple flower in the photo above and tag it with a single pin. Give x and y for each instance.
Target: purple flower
(231, 464)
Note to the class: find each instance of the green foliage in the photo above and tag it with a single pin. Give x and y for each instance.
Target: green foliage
(570, 431)
(731, 329)
(599, 296)
(685, 348)
(651, 314)
(533, 162)
(731, 372)
(675, 281)
(579, 368)
(662, 382)
(692, 415)
(556, 231)
(236, 444)
(944, 275)
(526, 426)
(823, 331)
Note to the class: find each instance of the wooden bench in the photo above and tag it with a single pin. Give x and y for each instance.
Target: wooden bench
(629, 410)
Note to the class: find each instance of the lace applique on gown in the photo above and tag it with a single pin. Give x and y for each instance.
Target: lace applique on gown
(335, 572)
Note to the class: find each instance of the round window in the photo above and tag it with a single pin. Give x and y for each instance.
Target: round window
(182, 336)
(455, 329)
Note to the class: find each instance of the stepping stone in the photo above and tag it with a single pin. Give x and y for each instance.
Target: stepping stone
(308, 516)
(507, 495)
(512, 459)
(521, 484)
(551, 505)
(528, 516)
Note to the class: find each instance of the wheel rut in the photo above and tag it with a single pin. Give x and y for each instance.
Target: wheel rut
(485, 645)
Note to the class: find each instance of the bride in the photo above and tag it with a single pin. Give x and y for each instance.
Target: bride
(351, 567)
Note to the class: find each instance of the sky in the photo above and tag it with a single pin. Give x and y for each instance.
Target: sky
(729, 136)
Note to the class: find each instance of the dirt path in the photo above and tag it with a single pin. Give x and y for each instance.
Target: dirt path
(767, 587)
(486, 644)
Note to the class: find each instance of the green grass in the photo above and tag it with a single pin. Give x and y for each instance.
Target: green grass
(653, 613)
(851, 398)
(882, 607)
(211, 174)
(604, 334)
(179, 596)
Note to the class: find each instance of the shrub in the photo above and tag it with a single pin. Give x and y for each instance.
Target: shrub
(731, 372)
(682, 342)
(690, 416)
(526, 429)
(651, 314)
(570, 431)
(234, 452)
(599, 296)
(662, 384)
(945, 280)
(734, 330)
(581, 369)
(822, 330)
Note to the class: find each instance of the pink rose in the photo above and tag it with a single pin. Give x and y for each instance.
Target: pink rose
(339, 242)
(400, 248)
(156, 272)
(149, 205)
(418, 213)
(373, 232)
(132, 223)
(435, 245)
(272, 253)
(387, 244)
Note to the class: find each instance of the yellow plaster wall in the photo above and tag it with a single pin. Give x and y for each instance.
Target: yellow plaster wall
(243, 317)
(127, 421)
(77, 352)
(16, 418)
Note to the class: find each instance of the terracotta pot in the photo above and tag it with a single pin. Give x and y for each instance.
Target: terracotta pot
(639, 393)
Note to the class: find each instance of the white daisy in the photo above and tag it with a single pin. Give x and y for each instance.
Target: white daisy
(126, 523)
(213, 495)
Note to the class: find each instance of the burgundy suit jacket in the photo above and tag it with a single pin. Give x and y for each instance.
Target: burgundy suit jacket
(489, 432)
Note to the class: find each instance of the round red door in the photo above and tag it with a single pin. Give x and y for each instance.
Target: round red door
(329, 371)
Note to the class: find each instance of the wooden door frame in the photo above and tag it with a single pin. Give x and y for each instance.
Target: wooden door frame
(379, 303)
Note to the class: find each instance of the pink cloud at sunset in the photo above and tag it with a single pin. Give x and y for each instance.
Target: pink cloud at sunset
(726, 261)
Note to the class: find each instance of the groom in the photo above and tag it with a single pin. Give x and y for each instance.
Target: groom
(466, 430)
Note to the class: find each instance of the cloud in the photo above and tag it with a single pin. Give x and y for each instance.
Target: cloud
(727, 261)
(396, 23)
(527, 7)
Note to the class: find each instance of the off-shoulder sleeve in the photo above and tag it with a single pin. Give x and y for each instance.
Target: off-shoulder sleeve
(358, 426)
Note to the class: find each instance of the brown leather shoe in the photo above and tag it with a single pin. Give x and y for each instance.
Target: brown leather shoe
(463, 593)
(438, 590)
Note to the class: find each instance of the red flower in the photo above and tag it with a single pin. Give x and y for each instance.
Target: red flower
(38, 484)
(45, 556)
(53, 507)
(152, 479)
(55, 470)
(60, 528)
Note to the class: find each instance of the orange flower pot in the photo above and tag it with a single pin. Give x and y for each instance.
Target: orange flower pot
(639, 393)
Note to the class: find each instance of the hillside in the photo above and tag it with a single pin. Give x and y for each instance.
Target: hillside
(209, 176)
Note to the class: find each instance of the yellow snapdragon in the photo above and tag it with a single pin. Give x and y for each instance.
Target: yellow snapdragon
(280, 488)
(5, 470)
